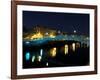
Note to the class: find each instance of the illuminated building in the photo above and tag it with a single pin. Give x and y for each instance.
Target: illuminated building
(37, 35)
(40, 32)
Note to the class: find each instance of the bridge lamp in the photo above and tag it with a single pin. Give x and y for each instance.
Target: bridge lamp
(74, 31)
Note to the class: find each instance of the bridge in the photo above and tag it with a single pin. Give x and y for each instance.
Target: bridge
(72, 37)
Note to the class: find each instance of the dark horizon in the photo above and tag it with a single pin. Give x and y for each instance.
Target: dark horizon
(66, 22)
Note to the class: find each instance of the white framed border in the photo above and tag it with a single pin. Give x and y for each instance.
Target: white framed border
(21, 71)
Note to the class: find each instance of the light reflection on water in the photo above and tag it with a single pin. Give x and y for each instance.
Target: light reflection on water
(46, 56)
(33, 58)
(41, 52)
(47, 64)
(66, 49)
(73, 46)
(53, 52)
(39, 58)
(27, 56)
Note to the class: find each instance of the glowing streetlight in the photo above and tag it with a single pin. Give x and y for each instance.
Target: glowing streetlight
(74, 31)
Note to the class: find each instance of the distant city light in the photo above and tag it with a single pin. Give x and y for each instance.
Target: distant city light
(27, 37)
(52, 36)
(38, 35)
(46, 33)
(33, 58)
(27, 42)
(74, 31)
(59, 32)
(27, 56)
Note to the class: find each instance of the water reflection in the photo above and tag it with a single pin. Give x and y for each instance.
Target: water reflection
(53, 52)
(73, 46)
(50, 55)
(41, 52)
(33, 58)
(27, 56)
(66, 49)
(39, 58)
(77, 45)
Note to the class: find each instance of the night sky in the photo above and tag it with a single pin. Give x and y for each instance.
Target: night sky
(67, 22)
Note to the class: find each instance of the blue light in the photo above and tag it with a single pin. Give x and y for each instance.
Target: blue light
(27, 42)
(27, 56)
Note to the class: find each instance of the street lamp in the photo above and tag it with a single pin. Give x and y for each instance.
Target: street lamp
(74, 31)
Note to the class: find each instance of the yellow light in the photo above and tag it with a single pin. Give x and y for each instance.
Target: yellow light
(52, 36)
(73, 46)
(38, 35)
(66, 49)
(26, 37)
(53, 52)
